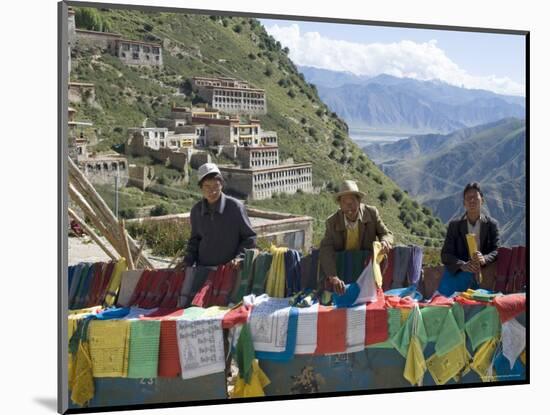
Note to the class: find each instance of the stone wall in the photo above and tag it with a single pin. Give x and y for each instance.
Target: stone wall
(198, 158)
(140, 176)
(104, 170)
(91, 39)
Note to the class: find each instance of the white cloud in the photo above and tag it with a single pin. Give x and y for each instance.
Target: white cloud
(404, 59)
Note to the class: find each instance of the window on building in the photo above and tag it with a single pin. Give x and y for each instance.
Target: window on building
(156, 51)
(135, 48)
(135, 56)
(157, 58)
(114, 166)
(147, 57)
(122, 166)
(125, 46)
(146, 49)
(123, 55)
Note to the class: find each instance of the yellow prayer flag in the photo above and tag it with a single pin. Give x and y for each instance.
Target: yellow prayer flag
(472, 248)
(483, 359)
(415, 366)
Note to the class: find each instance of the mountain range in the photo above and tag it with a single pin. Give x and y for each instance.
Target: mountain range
(385, 102)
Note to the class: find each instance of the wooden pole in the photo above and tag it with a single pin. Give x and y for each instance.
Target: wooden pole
(138, 256)
(92, 234)
(126, 246)
(81, 202)
(175, 258)
(76, 176)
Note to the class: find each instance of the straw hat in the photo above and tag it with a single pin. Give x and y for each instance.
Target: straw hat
(349, 187)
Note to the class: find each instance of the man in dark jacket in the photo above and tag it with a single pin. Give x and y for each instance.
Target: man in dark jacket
(454, 254)
(220, 227)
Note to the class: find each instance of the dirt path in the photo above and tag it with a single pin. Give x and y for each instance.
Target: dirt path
(86, 250)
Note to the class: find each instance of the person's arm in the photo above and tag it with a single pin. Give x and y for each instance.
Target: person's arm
(448, 252)
(494, 243)
(192, 250)
(247, 235)
(327, 259)
(382, 231)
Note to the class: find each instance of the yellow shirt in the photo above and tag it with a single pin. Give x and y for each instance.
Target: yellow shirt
(352, 238)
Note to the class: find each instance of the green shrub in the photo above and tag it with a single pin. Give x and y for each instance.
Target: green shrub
(159, 210)
(128, 213)
(397, 195)
(165, 238)
(90, 19)
(383, 196)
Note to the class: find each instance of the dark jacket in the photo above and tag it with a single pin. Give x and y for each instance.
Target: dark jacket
(220, 234)
(455, 249)
(371, 228)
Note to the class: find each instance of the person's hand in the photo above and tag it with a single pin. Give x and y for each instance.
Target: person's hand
(470, 266)
(386, 247)
(480, 259)
(337, 285)
(236, 263)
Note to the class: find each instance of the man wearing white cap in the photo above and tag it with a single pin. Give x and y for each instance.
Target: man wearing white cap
(355, 226)
(220, 227)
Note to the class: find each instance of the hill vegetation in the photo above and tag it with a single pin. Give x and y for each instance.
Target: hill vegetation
(239, 47)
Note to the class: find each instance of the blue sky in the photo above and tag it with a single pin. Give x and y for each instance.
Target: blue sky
(475, 60)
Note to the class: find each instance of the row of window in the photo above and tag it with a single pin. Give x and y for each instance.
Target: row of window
(263, 154)
(281, 186)
(256, 163)
(98, 167)
(239, 101)
(135, 56)
(238, 94)
(230, 106)
(245, 131)
(303, 173)
(137, 48)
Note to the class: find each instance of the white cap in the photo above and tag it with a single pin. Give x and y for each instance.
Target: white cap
(208, 168)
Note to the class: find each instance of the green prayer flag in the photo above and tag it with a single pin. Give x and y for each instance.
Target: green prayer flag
(144, 348)
(483, 326)
(450, 335)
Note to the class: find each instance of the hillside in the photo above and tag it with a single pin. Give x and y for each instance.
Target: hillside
(238, 47)
(386, 102)
(435, 168)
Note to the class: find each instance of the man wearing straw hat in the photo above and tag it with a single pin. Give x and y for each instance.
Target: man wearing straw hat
(220, 227)
(355, 226)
